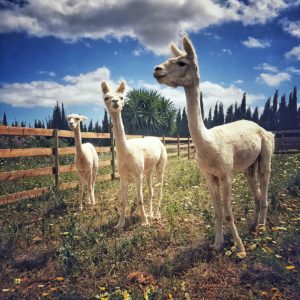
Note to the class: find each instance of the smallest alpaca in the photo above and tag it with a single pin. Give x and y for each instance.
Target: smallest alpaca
(86, 160)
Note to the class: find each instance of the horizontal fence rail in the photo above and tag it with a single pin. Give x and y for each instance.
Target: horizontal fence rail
(285, 142)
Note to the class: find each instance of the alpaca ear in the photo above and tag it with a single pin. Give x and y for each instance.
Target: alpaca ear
(188, 47)
(104, 87)
(121, 87)
(176, 51)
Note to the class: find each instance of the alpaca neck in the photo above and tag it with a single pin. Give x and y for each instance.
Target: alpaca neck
(198, 131)
(119, 133)
(77, 137)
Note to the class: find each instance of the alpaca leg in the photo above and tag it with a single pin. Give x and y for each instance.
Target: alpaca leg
(228, 212)
(93, 185)
(140, 202)
(160, 168)
(213, 184)
(91, 190)
(251, 175)
(265, 170)
(160, 178)
(81, 186)
(150, 193)
(124, 202)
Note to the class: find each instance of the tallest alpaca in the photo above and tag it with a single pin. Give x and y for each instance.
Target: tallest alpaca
(222, 150)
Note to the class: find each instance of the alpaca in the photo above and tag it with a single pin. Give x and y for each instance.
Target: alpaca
(86, 160)
(136, 158)
(221, 151)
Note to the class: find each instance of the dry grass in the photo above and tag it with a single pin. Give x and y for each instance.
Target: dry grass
(50, 250)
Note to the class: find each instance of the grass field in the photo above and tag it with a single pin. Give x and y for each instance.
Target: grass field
(51, 250)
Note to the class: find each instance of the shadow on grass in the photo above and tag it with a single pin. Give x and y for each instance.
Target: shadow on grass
(184, 260)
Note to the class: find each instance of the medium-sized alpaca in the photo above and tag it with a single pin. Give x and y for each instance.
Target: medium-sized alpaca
(223, 150)
(86, 160)
(136, 158)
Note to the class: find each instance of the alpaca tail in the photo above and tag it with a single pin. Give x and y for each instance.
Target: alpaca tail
(267, 149)
(160, 166)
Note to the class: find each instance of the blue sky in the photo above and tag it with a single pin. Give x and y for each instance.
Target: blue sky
(60, 50)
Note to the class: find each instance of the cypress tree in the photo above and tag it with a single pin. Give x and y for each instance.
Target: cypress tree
(243, 107)
(201, 105)
(216, 115)
(64, 121)
(229, 114)
(282, 114)
(184, 128)
(298, 119)
(209, 119)
(236, 114)
(178, 122)
(255, 117)
(105, 123)
(248, 114)
(292, 110)
(221, 117)
(273, 112)
(4, 120)
(90, 128)
(97, 127)
(265, 117)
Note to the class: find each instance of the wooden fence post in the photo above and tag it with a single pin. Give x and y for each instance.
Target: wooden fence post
(164, 140)
(112, 150)
(178, 145)
(56, 157)
(189, 157)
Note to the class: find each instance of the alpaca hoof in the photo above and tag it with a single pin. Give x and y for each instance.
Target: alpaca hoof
(145, 223)
(157, 216)
(120, 225)
(150, 215)
(241, 248)
(216, 246)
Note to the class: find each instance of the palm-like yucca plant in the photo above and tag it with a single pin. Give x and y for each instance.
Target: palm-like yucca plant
(147, 112)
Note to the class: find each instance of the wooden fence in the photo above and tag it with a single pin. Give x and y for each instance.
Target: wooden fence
(175, 147)
(286, 142)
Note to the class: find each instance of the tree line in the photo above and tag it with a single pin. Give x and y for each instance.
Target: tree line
(148, 113)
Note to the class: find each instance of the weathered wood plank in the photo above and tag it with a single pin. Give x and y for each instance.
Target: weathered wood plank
(11, 198)
(8, 153)
(19, 174)
(24, 131)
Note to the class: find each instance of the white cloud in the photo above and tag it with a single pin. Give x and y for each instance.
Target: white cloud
(227, 51)
(293, 70)
(49, 73)
(273, 79)
(294, 53)
(77, 90)
(252, 42)
(139, 52)
(153, 23)
(293, 28)
(266, 67)
(239, 81)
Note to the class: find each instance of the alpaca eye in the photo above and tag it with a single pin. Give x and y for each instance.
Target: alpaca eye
(181, 64)
(106, 98)
(121, 98)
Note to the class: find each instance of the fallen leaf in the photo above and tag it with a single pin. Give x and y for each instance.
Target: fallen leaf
(59, 278)
(140, 277)
(290, 267)
(263, 293)
(241, 255)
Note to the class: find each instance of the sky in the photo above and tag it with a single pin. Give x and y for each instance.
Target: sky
(61, 50)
